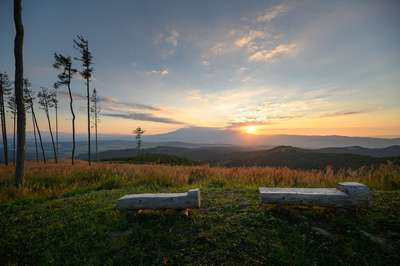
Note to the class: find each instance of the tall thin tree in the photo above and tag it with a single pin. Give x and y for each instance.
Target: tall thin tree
(29, 108)
(64, 64)
(95, 109)
(36, 125)
(5, 91)
(56, 111)
(12, 109)
(82, 45)
(19, 93)
(47, 101)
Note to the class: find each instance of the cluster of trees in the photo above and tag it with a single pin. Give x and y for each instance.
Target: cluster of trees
(23, 100)
(48, 102)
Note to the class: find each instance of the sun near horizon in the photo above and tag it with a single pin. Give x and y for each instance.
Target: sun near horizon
(250, 130)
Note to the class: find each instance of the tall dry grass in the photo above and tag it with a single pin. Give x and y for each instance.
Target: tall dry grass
(55, 180)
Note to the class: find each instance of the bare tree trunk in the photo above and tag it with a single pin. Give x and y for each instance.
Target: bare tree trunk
(34, 133)
(15, 127)
(88, 115)
(51, 135)
(40, 136)
(73, 119)
(3, 126)
(95, 126)
(56, 107)
(19, 93)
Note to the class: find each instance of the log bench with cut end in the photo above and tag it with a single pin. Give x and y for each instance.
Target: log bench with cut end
(179, 201)
(346, 194)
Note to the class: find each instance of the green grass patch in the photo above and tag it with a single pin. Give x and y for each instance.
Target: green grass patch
(67, 216)
(231, 228)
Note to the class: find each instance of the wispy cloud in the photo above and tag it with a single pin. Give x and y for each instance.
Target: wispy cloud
(218, 49)
(172, 37)
(260, 42)
(110, 101)
(267, 55)
(248, 123)
(345, 113)
(75, 95)
(249, 38)
(265, 104)
(272, 12)
(168, 42)
(160, 72)
(145, 117)
(114, 101)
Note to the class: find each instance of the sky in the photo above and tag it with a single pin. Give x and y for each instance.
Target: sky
(262, 67)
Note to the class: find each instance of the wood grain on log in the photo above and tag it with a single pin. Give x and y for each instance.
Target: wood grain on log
(348, 194)
(187, 200)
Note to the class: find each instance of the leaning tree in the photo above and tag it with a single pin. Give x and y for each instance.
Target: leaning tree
(12, 109)
(64, 64)
(29, 108)
(82, 45)
(5, 91)
(47, 101)
(29, 101)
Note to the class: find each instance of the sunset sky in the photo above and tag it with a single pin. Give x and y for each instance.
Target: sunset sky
(281, 67)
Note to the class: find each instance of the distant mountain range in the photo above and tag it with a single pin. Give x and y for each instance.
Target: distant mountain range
(200, 135)
(282, 156)
(217, 136)
(214, 141)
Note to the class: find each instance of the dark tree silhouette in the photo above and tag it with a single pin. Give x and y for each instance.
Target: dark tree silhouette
(82, 45)
(56, 109)
(47, 101)
(12, 109)
(138, 132)
(95, 109)
(19, 93)
(5, 91)
(29, 108)
(64, 64)
(30, 100)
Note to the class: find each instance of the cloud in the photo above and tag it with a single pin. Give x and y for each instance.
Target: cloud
(248, 123)
(253, 38)
(168, 42)
(161, 72)
(272, 12)
(345, 113)
(172, 38)
(248, 39)
(205, 62)
(218, 49)
(75, 96)
(110, 101)
(145, 117)
(267, 55)
(266, 104)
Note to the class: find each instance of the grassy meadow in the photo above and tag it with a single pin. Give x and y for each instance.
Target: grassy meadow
(66, 215)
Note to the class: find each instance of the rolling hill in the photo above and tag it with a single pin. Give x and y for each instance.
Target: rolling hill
(282, 156)
(209, 135)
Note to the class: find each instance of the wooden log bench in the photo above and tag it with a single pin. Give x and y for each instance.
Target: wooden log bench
(346, 194)
(178, 201)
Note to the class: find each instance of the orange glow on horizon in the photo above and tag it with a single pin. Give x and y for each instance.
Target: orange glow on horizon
(250, 129)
